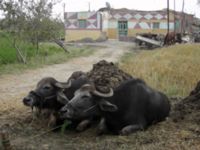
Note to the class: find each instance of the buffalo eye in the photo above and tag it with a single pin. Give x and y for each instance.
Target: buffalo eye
(47, 87)
(85, 96)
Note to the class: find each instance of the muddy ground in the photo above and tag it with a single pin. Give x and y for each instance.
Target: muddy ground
(174, 133)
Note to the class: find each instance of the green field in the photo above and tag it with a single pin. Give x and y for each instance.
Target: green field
(174, 70)
(49, 53)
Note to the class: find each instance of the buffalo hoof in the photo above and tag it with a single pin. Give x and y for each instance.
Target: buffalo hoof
(130, 129)
(100, 132)
(83, 125)
(52, 121)
(102, 128)
(124, 132)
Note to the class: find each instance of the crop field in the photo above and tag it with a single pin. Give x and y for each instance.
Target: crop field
(174, 70)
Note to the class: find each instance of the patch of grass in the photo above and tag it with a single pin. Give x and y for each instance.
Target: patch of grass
(174, 70)
(49, 54)
(7, 52)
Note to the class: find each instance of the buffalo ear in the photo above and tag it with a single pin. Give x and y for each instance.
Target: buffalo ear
(61, 97)
(107, 106)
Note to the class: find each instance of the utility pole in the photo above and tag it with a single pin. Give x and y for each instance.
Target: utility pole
(174, 16)
(64, 8)
(182, 18)
(167, 16)
(89, 7)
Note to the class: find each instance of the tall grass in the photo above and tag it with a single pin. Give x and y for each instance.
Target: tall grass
(54, 55)
(7, 52)
(48, 53)
(174, 70)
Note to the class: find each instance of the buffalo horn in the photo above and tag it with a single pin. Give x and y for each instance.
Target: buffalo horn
(63, 85)
(109, 94)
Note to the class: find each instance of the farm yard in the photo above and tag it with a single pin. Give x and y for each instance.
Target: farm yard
(99, 75)
(173, 70)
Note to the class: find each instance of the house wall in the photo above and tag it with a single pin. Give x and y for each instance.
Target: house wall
(90, 29)
(139, 22)
(106, 22)
(74, 35)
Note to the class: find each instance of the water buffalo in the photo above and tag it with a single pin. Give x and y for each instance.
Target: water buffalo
(51, 94)
(130, 107)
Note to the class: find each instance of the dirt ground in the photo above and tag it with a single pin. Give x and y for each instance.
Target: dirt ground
(28, 135)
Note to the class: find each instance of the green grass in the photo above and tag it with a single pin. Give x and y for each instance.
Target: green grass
(49, 57)
(174, 70)
(48, 53)
(7, 52)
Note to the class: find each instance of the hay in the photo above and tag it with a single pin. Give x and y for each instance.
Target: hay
(188, 109)
(107, 75)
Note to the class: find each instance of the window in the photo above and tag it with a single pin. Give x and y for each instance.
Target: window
(156, 25)
(82, 24)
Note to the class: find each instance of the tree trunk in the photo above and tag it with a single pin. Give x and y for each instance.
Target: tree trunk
(19, 54)
(59, 43)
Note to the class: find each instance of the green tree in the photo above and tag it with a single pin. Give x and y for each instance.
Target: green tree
(30, 21)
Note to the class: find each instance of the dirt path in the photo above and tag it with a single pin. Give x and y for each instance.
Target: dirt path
(14, 87)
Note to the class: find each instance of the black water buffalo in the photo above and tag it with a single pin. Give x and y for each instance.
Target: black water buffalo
(130, 107)
(51, 94)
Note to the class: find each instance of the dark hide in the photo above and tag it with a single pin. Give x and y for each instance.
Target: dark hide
(133, 106)
(48, 93)
(133, 103)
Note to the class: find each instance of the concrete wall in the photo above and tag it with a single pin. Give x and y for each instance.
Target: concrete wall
(107, 22)
(73, 35)
(73, 30)
(113, 33)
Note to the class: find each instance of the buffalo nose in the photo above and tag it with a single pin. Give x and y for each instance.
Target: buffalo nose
(27, 99)
(63, 110)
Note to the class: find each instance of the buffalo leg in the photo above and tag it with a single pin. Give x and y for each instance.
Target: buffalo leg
(35, 115)
(131, 129)
(83, 125)
(102, 128)
(52, 120)
(46, 113)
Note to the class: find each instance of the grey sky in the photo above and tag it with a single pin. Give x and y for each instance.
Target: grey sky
(82, 5)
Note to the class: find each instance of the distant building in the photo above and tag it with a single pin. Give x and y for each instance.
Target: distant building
(80, 25)
(196, 25)
(123, 23)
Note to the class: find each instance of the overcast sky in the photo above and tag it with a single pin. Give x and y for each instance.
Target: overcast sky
(82, 5)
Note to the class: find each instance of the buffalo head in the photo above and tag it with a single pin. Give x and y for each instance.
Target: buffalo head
(48, 93)
(86, 101)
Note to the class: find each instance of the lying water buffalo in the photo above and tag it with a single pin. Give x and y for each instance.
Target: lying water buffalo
(130, 107)
(52, 95)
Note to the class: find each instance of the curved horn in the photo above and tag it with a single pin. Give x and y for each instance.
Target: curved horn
(64, 85)
(109, 94)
